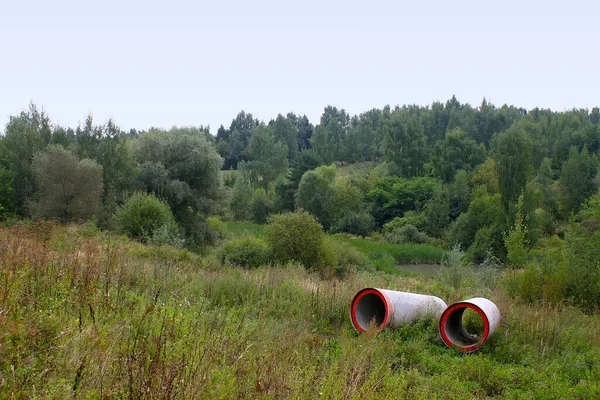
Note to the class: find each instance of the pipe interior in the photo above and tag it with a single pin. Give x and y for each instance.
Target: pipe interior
(455, 330)
(370, 307)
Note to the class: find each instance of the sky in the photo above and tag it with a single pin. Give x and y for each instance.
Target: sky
(165, 63)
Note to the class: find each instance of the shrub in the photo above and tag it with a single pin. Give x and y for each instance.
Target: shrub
(486, 239)
(89, 228)
(217, 229)
(405, 234)
(295, 236)
(240, 205)
(260, 206)
(386, 263)
(245, 251)
(562, 270)
(229, 178)
(327, 264)
(7, 193)
(357, 223)
(415, 218)
(543, 221)
(142, 214)
(166, 235)
(515, 238)
(454, 268)
(349, 258)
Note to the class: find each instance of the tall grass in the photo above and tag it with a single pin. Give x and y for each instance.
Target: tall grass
(245, 228)
(407, 253)
(96, 316)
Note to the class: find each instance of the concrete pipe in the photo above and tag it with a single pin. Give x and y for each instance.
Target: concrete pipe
(453, 331)
(390, 308)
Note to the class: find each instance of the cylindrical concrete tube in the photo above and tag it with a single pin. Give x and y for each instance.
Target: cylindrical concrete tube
(382, 308)
(454, 333)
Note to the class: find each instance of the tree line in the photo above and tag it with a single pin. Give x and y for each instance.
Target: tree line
(445, 173)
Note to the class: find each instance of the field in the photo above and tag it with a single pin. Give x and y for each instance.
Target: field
(85, 314)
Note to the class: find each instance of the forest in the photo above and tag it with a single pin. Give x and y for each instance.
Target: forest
(505, 200)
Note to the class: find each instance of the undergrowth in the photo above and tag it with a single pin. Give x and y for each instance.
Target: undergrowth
(97, 316)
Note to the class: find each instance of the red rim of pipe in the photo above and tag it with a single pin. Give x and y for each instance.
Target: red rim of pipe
(360, 295)
(486, 327)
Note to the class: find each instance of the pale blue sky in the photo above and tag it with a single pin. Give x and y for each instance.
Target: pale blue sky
(166, 63)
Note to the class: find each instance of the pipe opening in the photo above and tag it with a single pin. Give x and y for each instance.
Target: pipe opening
(464, 326)
(370, 308)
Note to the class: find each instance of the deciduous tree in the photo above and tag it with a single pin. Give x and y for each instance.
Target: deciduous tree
(68, 188)
(512, 152)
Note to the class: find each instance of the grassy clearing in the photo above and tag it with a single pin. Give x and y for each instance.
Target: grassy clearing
(89, 315)
(241, 228)
(403, 253)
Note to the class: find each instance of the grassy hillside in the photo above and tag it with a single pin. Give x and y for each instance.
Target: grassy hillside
(88, 315)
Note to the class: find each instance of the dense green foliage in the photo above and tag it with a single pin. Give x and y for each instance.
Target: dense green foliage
(565, 270)
(392, 196)
(512, 152)
(25, 135)
(456, 152)
(68, 189)
(316, 194)
(296, 237)
(245, 251)
(577, 178)
(268, 157)
(7, 192)
(432, 161)
(405, 142)
(106, 145)
(182, 166)
(143, 214)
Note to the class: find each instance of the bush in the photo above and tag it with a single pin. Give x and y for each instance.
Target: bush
(357, 223)
(261, 207)
(544, 221)
(296, 236)
(328, 265)
(562, 271)
(217, 229)
(143, 214)
(245, 251)
(349, 258)
(415, 218)
(515, 239)
(454, 268)
(386, 263)
(166, 235)
(229, 178)
(405, 234)
(240, 205)
(486, 239)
